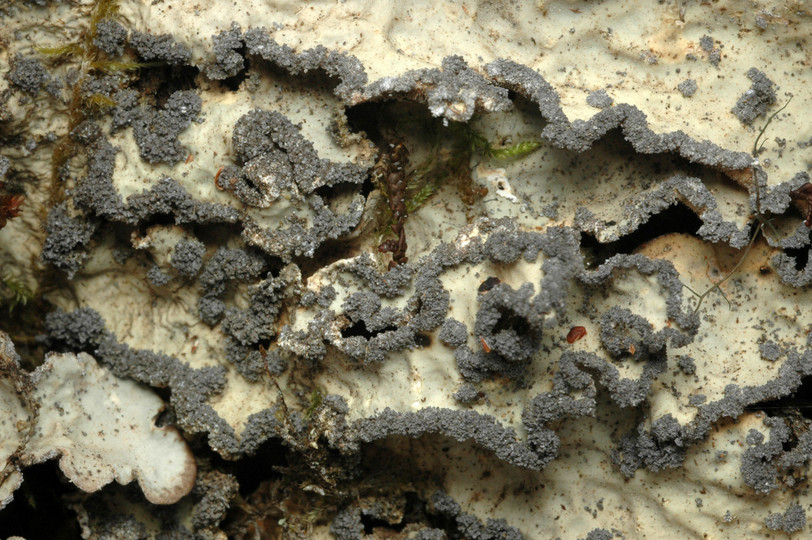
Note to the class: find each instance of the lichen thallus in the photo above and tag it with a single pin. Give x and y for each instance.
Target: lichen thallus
(802, 193)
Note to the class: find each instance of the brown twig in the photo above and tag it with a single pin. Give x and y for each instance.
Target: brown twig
(394, 176)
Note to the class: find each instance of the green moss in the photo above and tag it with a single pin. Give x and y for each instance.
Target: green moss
(518, 150)
(15, 293)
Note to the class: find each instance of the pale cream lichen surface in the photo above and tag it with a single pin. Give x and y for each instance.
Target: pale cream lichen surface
(100, 427)
(638, 55)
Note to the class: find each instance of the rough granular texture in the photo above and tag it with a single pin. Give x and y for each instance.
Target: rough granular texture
(224, 266)
(754, 102)
(459, 425)
(599, 99)
(28, 74)
(466, 393)
(687, 87)
(187, 257)
(686, 364)
(467, 525)
(793, 520)
(770, 350)
(347, 524)
(157, 277)
(216, 490)
(162, 48)
(707, 44)
(337, 64)
(67, 241)
(600, 534)
(277, 159)
(110, 37)
(445, 90)
(84, 329)
(580, 136)
(228, 61)
(156, 132)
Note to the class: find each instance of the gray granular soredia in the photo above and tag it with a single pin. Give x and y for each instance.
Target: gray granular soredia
(157, 277)
(187, 257)
(216, 490)
(84, 330)
(110, 37)
(28, 74)
(228, 62)
(770, 350)
(466, 393)
(687, 87)
(793, 520)
(599, 99)
(156, 132)
(162, 48)
(347, 524)
(754, 102)
(67, 241)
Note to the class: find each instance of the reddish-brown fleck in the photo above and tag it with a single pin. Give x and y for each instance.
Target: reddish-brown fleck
(575, 334)
(189, 158)
(217, 178)
(10, 207)
(485, 346)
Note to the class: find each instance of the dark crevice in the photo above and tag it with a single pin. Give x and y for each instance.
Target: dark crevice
(375, 525)
(233, 83)
(38, 509)
(799, 255)
(422, 340)
(251, 471)
(367, 187)
(331, 193)
(800, 401)
(167, 416)
(326, 254)
(510, 321)
(153, 220)
(360, 329)
(366, 118)
(677, 218)
(161, 82)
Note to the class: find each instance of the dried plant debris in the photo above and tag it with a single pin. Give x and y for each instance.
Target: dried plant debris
(101, 427)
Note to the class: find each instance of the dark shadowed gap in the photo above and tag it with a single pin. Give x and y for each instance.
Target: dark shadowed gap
(38, 509)
(375, 525)
(360, 329)
(326, 254)
(422, 340)
(233, 83)
(510, 320)
(163, 81)
(799, 255)
(677, 218)
(365, 118)
(251, 471)
(800, 401)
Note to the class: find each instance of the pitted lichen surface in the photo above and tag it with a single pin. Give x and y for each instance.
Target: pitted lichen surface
(213, 193)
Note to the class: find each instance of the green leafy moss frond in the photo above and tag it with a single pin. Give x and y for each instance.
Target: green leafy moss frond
(518, 150)
(19, 295)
